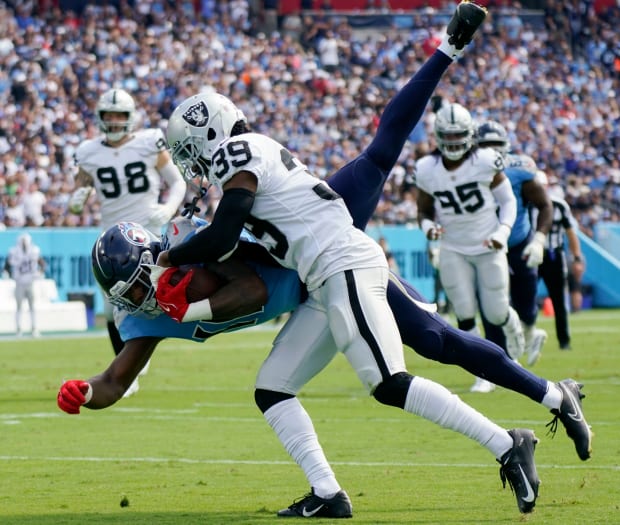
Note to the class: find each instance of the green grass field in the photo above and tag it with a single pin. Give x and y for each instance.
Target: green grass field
(191, 447)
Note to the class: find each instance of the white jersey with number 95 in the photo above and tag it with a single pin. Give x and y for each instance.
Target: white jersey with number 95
(464, 203)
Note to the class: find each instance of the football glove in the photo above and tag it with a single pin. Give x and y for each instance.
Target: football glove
(534, 252)
(499, 238)
(73, 394)
(78, 199)
(432, 230)
(172, 299)
(161, 214)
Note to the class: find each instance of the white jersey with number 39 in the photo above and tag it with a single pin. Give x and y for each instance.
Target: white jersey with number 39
(303, 223)
(125, 177)
(464, 204)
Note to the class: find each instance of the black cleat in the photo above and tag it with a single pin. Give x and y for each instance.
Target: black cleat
(518, 467)
(571, 416)
(311, 506)
(464, 23)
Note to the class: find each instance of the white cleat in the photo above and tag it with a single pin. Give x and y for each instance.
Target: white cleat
(133, 388)
(482, 386)
(145, 369)
(534, 347)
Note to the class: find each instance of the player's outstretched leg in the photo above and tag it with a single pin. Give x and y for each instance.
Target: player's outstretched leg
(360, 182)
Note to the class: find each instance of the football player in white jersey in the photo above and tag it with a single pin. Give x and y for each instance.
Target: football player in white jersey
(126, 168)
(304, 225)
(24, 265)
(466, 202)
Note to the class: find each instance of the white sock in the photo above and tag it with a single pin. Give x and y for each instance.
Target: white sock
(448, 49)
(553, 397)
(436, 403)
(294, 429)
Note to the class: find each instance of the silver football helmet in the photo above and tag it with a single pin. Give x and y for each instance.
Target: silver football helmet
(196, 128)
(492, 134)
(454, 131)
(116, 101)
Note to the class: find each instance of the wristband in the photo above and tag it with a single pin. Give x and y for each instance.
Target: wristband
(198, 311)
(89, 394)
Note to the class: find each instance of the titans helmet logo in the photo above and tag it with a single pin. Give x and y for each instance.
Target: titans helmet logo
(134, 233)
(197, 115)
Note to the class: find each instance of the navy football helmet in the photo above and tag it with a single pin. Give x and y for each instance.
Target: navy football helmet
(119, 257)
(492, 134)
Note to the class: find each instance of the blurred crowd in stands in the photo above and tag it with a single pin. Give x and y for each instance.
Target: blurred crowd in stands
(314, 83)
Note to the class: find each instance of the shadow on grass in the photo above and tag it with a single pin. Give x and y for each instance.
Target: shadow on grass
(143, 518)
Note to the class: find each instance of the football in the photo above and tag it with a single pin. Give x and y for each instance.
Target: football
(203, 283)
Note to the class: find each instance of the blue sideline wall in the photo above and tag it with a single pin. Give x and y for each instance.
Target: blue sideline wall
(67, 254)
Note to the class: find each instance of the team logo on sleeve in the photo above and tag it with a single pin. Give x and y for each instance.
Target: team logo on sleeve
(197, 115)
(134, 233)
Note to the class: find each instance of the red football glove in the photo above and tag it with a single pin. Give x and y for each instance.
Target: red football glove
(73, 394)
(171, 298)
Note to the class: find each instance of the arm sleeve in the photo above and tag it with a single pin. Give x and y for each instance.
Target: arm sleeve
(221, 237)
(507, 203)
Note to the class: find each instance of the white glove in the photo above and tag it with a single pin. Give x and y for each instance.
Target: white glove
(160, 214)
(432, 230)
(78, 199)
(535, 250)
(499, 238)
(156, 273)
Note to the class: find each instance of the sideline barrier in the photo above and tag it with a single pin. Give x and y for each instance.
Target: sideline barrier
(66, 252)
(52, 315)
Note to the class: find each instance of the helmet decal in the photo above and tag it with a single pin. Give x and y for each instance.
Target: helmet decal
(134, 233)
(197, 115)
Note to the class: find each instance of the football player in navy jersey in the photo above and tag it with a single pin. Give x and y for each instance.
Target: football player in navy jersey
(526, 242)
(359, 184)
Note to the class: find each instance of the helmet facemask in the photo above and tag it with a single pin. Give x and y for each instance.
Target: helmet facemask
(186, 154)
(454, 131)
(197, 127)
(115, 130)
(116, 101)
(120, 293)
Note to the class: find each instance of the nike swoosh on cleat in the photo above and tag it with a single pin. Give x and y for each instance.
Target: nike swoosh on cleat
(309, 513)
(530, 496)
(574, 415)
